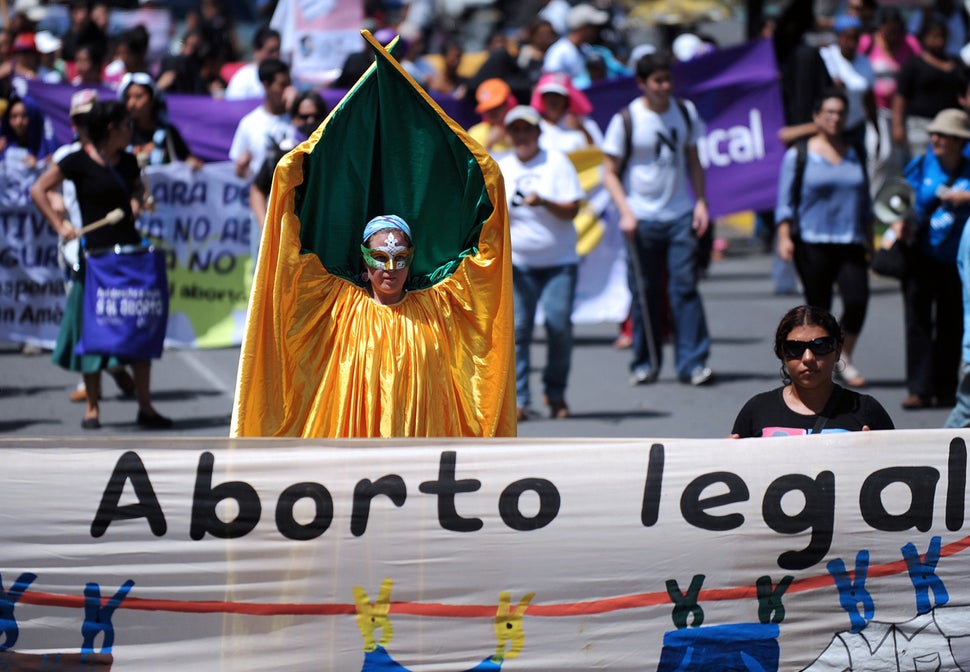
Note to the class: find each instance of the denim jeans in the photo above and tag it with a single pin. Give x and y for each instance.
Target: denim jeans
(668, 249)
(555, 288)
(960, 415)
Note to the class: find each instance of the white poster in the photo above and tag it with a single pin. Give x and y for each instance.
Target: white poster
(318, 35)
(835, 552)
(32, 289)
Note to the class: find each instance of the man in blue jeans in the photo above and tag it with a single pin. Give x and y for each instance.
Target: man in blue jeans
(651, 156)
(543, 193)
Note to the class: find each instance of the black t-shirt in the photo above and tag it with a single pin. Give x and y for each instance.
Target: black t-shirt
(101, 189)
(927, 89)
(767, 414)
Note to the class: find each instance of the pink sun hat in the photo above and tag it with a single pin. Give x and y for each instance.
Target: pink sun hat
(558, 82)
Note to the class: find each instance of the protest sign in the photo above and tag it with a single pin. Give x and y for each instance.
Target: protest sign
(31, 283)
(318, 35)
(125, 304)
(835, 552)
(201, 221)
(203, 218)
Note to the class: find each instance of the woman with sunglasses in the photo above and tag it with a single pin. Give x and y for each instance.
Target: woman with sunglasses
(824, 220)
(808, 342)
(308, 111)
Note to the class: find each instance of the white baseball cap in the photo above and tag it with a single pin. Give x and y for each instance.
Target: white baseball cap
(524, 113)
(586, 15)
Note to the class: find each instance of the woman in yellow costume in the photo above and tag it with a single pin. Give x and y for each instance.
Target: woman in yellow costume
(402, 328)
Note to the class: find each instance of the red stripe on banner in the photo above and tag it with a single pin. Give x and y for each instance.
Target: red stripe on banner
(607, 605)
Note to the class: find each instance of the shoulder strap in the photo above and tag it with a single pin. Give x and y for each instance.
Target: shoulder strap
(795, 196)
(682, 106)
(827, 410)
(627, 140)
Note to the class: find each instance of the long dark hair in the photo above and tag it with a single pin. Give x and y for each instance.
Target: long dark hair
(104, 114)
(40, 138)
(804, 316)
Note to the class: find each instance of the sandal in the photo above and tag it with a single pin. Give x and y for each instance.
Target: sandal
(851, 375)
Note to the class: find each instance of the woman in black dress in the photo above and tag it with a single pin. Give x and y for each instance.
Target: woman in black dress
(106, 177)
(808, 342)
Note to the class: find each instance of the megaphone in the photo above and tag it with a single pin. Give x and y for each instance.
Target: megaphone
(894, 200)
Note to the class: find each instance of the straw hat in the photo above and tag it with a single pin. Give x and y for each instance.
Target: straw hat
(951, 122)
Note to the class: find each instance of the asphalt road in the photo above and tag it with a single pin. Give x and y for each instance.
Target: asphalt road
(195, 387)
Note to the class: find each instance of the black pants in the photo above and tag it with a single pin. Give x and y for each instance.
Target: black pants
(824, 266)
(933, 307)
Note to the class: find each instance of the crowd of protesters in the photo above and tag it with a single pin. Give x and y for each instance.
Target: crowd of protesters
(890, 73)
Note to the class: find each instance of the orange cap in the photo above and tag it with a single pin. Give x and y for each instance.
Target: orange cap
(492, 93)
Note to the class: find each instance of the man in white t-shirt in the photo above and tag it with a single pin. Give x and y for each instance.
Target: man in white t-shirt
(566, 54)
(266, 126)
(647, 173)
(245, 82)
(543, 197)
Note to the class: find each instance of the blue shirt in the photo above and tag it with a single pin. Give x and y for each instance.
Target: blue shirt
(834, 205)
(940, 230)
(963, 265)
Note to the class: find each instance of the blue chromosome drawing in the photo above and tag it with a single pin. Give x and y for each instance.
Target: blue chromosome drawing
(97, 616)
(9, 632)
(937, 638)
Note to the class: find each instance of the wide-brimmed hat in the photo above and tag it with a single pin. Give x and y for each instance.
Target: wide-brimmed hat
(559, 82)
(951, 122)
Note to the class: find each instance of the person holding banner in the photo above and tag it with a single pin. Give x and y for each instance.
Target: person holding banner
(808, 341)
(106, 178)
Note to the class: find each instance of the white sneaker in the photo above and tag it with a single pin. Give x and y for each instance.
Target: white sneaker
(643, 376)
(849, 374)
(701, 376)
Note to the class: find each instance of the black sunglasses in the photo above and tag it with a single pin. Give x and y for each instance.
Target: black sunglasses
(819, 346)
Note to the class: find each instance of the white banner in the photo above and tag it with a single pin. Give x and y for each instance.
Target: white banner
(835, 552)
(202, 220)
(31, 284)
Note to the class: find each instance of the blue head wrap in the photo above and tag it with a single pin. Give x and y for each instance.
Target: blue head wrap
(382, 222)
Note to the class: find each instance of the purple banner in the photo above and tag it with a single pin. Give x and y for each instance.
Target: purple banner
(736, 91)
(125, 305)
(738, 95)
(206, 124)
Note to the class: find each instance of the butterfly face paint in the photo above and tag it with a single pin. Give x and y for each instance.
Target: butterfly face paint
(391, 256)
